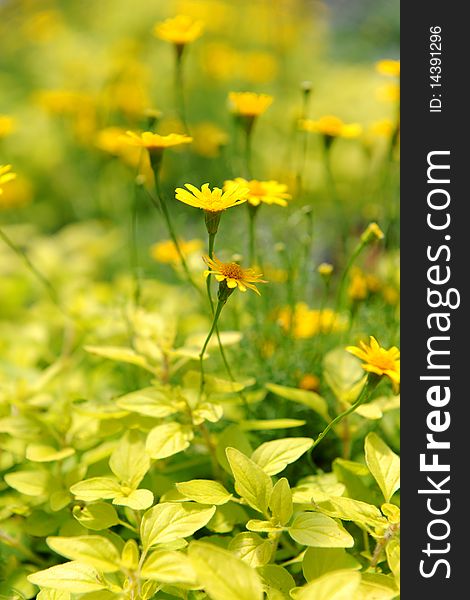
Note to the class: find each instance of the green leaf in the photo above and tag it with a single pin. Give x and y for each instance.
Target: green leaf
(223, 575)
(44, 453)
(268, 424)
(264, 526)
(251, 548)
(130, 555)
(169, 567)
(392, 550)
(231, 437)
(226, 517)
(318, 561)
(119, 354)
(96, 488)
(315, 529)
(93, 550)
(352, 510)
(53, 595)
(30, 483)
(152, 402)
(384, 465)
(129, 461)
(281, 502)
(70, 576)
(97, 516)
(274, 456)
(168, 439)
(251, 482)
(375, 586)
(344, 374)
(277, 582)
(137, 499)
(204, 491)
(168, 522)
(316, 488)
(305, 397)
(338, 585)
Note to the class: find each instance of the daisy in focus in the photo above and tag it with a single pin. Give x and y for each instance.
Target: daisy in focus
(233, 274)
(154, 141)
(215, 200)
(261, 192)
(378, 360)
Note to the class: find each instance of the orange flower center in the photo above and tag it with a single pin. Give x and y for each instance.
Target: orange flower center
(232, 270)
(257, 189)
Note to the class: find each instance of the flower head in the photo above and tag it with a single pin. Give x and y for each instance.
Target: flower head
(213, 201)
(332, 127)
(166, 252)
(180, 30)
(249, 104)
(5, 175)
(372, 233)
(378, 360)
(267, 192)
(325, 269)
(154, 141)
(388, 67)
(233, 275)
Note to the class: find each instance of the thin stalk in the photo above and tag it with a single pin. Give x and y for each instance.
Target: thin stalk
(218, 310)
(340, 294)
(252, 212)
(333, 191)
(366, 391)
(179, 87)
(248, 151)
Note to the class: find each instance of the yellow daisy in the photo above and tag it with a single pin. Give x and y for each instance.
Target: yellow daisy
(233, 274)
(249, 104)
(213, 201)
(331, 126)
(378, 360)
(388, 67)
(154, 141)
(180, 30)
(5, 175)
(267, 192)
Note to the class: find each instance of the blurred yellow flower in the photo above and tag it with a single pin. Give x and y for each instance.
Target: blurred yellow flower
(372, 233)
(209, 139)
(309, 382)
(6, 175)
(258, 67)
(325, 269)
(112, 140)
(7, 125)
(180, 30)
(166, 252)
(16, 194)
(267, 192)
(383, 128)
(309, 322)
(213, 201)
(332, 126)
(388, 67)
(43, 26)
(391, 295)
(390, 92)
(378, 360)
(249, 104)
(357, 289)
(154, 141)
(233, 274)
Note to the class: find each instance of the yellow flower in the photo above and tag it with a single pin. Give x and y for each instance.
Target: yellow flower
(357, 289)
(166, 252)
(213, 201)
(378, 360)
(7, 124)
(180, 30)
(17, 193)
(331, 126)
(325, 269)
(390, 92)
(233, 274)
(388, 67)
(372, 233)
(5, 175)
(308, 323)
(154, 141)
(382, 128)
(249, 104)
(309, 382)
(267, 192)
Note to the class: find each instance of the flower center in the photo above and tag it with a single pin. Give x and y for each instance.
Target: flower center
(256, 189)
(232, 270)
(383, 360)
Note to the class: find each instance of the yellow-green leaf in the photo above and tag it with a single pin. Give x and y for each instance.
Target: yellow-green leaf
(168, 439)
(93, 550)
(338, 585)
(392, 550)
(169, 567)
(119, 354)
(274, 456)
(305, 397)
(251, 482)
(152, 402)
(137, 499)
(204, 491)
(251, 548)
(344, 375)
(352, 510)
(70, 576)
(129, 461)
(231, 437)
(277, 582)
(30, 483)
(130, 555)
(96, 488)
(44, 453)
(281, 502)
(53, 595)
(223, 575)
(376, 586)
(268, 424)
(315, 529)
(318, 561)
(96, 516)
(168, 522)
(264, 526)
(384, 465)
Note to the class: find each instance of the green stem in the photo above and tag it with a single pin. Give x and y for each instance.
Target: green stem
(248, 150)
(366, 391)
(179, 87)
(333, 191)
(340, 294)
(218, 310)
(252, 212)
